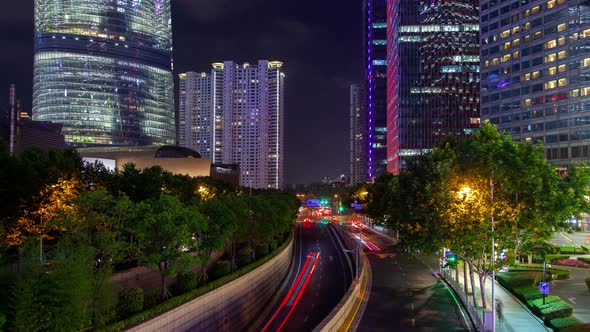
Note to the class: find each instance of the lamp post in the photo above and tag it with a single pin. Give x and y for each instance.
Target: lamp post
(493, 259)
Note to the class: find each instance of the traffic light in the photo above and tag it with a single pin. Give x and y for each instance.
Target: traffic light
(451, 260)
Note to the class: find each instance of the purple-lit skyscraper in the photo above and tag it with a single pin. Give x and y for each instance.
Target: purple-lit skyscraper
(375, 47)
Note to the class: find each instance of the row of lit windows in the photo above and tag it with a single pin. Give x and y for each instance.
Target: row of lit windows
(509, 8)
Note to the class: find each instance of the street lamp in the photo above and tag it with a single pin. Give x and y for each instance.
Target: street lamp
(493, 259)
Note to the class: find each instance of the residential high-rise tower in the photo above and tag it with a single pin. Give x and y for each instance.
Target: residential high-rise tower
(195, 117)
(235, 116)
(357, 135)
(103, 68)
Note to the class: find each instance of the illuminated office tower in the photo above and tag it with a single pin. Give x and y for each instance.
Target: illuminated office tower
(432, 75)
(195, 116)
(248, 108)
(103, 68)
(357, 158)
(536, 74)
(375, 89)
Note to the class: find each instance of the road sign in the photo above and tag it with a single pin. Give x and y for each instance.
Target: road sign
(313, 203)
(544, 288)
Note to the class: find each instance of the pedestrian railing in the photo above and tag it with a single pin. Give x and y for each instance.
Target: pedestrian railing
(472, 311)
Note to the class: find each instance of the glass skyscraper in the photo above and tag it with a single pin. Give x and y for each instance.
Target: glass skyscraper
(432, 75)
(536, 74)
(103, 68)
(375, 49)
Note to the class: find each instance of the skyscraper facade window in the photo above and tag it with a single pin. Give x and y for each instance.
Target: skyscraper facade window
(375, 86)
(357, 135)
(432, 75)
(243, 124)
(536, 74)
(103, 68)
(195, 113)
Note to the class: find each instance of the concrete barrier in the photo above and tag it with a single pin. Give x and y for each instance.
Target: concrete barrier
(345, 313)
(231, 307)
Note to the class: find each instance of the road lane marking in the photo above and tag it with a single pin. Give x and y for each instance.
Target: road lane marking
(572, 300)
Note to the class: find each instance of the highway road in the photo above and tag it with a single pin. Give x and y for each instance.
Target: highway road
(319, 276)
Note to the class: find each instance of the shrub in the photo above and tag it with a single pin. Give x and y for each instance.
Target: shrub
(567, 250)
(584, 259)
(528, 293)
(262, 251)
(572, 262)
(511, 280)
(537, 304)
(273, 244)
(560, 324)
(243, 257)
(185, 281)
(551, 258)
(151, 298)
(130, 302)
(557, 309)
(220, 269)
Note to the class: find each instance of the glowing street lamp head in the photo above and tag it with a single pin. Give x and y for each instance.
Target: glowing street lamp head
(464, 192)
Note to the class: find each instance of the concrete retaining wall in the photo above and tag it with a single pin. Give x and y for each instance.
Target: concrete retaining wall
(343, 315)
(230, 307)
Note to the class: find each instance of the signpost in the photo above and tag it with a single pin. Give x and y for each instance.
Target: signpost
(313, 203)
(544, 286)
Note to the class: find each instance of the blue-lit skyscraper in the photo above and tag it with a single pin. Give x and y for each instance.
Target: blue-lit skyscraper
(375, 81)
(103, 68)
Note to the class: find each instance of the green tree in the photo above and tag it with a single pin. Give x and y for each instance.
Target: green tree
(168, 231)
(222, 225)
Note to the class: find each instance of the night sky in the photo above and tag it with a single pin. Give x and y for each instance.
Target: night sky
(320, 43)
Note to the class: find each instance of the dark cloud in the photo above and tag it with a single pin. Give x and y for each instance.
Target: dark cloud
(215, 10)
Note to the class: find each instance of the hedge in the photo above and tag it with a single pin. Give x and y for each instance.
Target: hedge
(130, 302)
(185, 281)
(552, 273)
(560, 324)
(551, 258)
(220, 268)
(584, 259)
(527, 293)
(537, 304)
(572, 250)
(188, 296)
(511, 280)
(558, 309)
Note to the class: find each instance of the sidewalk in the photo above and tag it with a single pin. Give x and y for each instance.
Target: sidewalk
(150, 279)
(517, 317)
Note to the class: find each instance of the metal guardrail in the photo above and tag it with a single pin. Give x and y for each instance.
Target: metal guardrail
(479, 323)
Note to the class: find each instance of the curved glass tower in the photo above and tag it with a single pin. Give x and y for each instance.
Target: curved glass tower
(103, 68)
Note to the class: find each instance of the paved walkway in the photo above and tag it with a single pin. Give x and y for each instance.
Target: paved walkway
(150, 279)
(517, 317)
